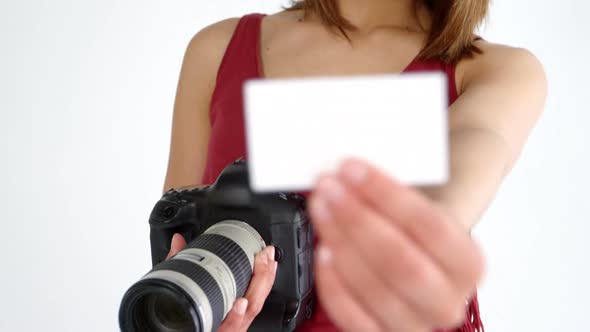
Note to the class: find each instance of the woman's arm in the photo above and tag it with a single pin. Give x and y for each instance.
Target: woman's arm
(188, 153)
(502, 95)
(190, 123)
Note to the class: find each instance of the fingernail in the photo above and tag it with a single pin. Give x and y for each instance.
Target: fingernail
(241, 306)
(354, 171)
(175, 237)
(330, 189)
(324, 254)
(271, 254)
(320, 209)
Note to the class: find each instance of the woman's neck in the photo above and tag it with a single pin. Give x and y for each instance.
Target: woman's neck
(372, 15)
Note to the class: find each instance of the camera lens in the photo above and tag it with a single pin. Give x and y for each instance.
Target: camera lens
(155, 305)
(168, 314)
(194, 290)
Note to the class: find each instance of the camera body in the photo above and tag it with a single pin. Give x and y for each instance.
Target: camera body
(279, 218)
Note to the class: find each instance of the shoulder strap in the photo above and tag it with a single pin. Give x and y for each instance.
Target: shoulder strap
(241, 55)
(451, 70)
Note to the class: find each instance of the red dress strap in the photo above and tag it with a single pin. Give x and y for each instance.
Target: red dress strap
(240, 60)
(239, 63)
(433, 65)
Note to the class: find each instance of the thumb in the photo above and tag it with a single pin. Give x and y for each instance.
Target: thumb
(178, 243)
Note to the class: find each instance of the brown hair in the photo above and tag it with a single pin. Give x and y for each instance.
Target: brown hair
(451, 34)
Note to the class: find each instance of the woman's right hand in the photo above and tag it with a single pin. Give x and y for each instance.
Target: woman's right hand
(245, 309)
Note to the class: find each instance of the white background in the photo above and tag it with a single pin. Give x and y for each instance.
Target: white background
(86, 93)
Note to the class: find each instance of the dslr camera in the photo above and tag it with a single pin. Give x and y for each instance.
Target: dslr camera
(225, 225)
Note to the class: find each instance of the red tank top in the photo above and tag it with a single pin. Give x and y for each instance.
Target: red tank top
(227, 141)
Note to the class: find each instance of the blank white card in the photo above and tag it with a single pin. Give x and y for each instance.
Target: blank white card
(299, 128)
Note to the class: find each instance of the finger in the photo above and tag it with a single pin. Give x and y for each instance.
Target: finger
(381, 301)
(262, 281)
(234, 321)
(435, 232)
(394, 257)
(178, 243)
(342, 309)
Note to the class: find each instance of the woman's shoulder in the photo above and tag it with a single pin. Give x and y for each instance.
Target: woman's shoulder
(218, 34)
(210, 42)
(498, 62)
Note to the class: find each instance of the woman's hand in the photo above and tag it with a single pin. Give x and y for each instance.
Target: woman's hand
(247, 308)
(388, 258)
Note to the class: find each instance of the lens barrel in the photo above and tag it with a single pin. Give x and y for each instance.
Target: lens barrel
(194, 290)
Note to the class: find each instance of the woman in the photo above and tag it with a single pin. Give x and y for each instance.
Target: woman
(427, 266)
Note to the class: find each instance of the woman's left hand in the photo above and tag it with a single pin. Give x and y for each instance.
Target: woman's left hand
(389, 259)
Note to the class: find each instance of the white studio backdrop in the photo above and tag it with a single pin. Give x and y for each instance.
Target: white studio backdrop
(86, 95)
